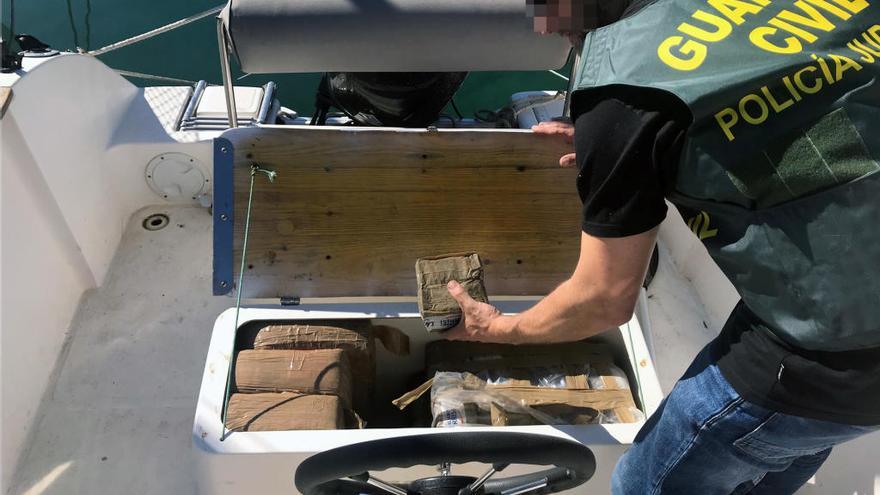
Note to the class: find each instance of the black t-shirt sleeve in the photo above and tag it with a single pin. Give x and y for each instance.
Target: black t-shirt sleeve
(627, 152)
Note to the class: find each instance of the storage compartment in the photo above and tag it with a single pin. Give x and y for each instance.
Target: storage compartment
(266, 458)
(397, 374)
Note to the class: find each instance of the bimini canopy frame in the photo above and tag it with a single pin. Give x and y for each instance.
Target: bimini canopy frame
(283, 36)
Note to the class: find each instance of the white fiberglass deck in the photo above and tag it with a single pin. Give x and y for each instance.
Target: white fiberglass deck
(117, 417)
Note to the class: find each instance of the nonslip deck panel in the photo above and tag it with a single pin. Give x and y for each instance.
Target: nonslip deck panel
(351, 209)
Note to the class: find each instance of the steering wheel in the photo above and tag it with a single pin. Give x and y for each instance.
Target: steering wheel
(345, 470)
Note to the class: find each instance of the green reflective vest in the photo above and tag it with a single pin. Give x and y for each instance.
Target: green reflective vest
(779, 174)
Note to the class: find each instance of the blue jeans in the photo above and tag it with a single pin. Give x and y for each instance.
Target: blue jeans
(705, 439)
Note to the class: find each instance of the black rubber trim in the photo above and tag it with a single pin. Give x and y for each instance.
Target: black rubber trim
(576, 460)
(348, 487)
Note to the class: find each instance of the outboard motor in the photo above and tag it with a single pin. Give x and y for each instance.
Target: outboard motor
(392, 99)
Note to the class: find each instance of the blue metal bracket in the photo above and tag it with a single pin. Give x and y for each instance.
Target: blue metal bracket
(224, 214)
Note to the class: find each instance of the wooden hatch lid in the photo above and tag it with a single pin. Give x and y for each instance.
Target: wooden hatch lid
(351, 209)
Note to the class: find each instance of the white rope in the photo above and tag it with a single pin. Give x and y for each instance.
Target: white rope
(156, 32)
(557, 74)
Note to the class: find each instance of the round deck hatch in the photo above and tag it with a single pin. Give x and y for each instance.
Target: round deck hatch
(176, 176)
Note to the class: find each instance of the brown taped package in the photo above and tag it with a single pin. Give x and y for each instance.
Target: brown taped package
(285, 411)
(319, 371)
(358, 340)
(356, 337)
(438, 309)
(611, 382)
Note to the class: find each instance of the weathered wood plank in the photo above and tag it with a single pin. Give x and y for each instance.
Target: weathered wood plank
(352, 209)
(352, 147)
(453, 213)
(427, 179)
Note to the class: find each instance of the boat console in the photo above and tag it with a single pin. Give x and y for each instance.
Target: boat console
(317, 223)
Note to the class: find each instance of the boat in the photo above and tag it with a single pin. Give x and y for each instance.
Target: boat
(143, 227)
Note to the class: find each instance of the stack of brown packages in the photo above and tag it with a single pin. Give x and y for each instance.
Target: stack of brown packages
(300, 377)
(577, 403)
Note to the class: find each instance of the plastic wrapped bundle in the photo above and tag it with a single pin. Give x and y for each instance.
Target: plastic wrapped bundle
(549, 396)
(559, 395)
(500, 384)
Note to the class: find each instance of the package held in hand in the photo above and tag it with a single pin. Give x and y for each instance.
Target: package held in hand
(438, 308)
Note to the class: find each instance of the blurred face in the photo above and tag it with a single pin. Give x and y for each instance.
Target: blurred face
(562, 16)
(573, 18)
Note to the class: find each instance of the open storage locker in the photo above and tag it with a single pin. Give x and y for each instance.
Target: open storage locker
(336, 236)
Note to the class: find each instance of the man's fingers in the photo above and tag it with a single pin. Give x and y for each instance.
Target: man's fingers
(568, 161)
(555, 129)
(547, 126)
(460, 295)
(552, 128)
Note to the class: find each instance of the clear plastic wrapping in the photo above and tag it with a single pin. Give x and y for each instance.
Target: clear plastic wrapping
(543, 376)
(613, 378)
(459, 399)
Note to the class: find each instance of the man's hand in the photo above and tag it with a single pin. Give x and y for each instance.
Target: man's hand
(479, 321)
(562, 128)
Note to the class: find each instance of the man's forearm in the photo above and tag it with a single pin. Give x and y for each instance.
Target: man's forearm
(600, 294)
(567, 314)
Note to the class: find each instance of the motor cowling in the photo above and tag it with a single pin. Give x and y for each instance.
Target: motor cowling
(392, 99)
